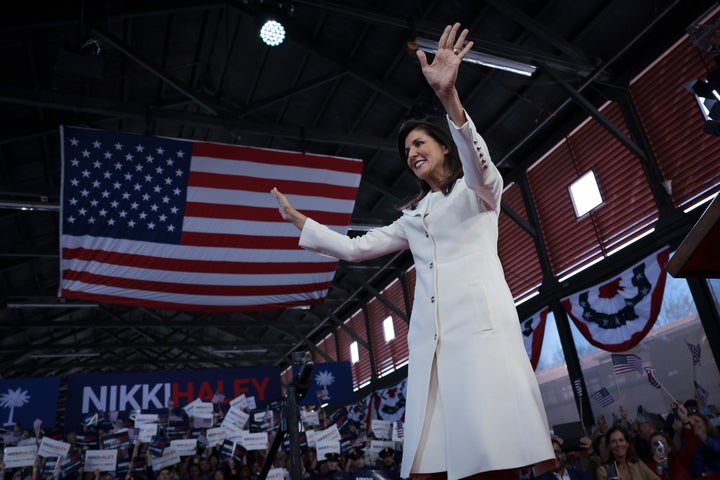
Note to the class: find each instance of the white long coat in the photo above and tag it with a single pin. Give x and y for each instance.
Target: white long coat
(463, 318)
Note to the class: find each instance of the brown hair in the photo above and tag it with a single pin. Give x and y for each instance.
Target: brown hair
(632, 456)
(436, 128)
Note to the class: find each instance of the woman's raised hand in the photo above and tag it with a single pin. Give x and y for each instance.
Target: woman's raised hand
(287, 211)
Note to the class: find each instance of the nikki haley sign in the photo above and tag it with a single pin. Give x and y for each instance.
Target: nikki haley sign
(151, 392)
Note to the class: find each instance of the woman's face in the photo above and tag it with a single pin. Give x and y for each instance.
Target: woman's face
(425, 156)
(618, 445)
(698, 425)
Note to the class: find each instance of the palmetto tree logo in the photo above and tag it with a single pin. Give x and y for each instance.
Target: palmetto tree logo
(324, 379)
(12, 399)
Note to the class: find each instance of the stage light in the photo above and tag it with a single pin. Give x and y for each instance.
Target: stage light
(272, 33)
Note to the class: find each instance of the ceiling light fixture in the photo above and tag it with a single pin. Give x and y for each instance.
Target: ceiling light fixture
(241, 350)
(64, 355)
(52, 305)
(484, 59)
(272, 33)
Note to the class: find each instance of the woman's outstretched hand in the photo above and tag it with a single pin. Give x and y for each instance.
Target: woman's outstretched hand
(442, 73)
(287, 211)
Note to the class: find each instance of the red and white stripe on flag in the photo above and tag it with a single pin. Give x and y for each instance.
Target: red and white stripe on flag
(175, 224)
(616, 315)
(533, 330)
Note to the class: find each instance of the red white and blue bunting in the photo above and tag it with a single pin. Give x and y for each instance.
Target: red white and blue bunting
(616, 315)
(533, 330)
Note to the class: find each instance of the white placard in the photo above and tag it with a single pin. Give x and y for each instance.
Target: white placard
(202, 409)
(203, 421)
(215, 436)
(310, 435)
(328, 446)
(233, 433)
(50, 447)
(169, 457)
(190, 407)
(310, 418)
(103, 460)
(381, 429)
(147, 431)
(255, 441)
(240, 402)
(330, 433)
(20, 456)
(276, 474)
(145, 418)
(251, 403)
(184, 447)
(27, 441)
(236, 418)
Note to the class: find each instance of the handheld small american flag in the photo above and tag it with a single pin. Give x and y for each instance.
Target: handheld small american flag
(603, 397)
(626, 363)
(695, 352)
(651, 377)
(182, 225)
(701, 394)
(578, 387)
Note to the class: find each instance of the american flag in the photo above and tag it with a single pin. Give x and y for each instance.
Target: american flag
(695, 352)
(183, 225)
(603, 397)
(651, 377)
(626, 363)
(578, 387)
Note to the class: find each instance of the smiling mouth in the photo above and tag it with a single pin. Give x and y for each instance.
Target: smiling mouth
(418, 163)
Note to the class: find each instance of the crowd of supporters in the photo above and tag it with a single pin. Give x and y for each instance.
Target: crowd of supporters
(682, 444)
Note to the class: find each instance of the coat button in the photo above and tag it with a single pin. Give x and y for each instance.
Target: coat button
(432, 299)
(427, 235)
(435, 337)
(431, 265)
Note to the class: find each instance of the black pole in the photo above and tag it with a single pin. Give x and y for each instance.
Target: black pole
(289, 418)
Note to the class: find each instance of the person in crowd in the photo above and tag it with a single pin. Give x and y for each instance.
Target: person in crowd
(646, 424)
(702, 439)
(386, 460)
(622, 463)
(333, 469)
(356, 460)
(310, 463)
(563, 470)
(665, 461)
(463, 314)
(195, 473)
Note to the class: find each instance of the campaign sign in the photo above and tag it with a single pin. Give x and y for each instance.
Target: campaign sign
(50, 467)
(381, 428)
(235, 418)
(152, 392)
(147, 431)
(103, 460)
(20, 456)
(276, 474)
(53, 448)
(330, 433)
(71, 463)
(184, 447)
(215, 436)
(240, 401)
(255, 441)
(232, 450)
(330, 446)
(27, 399)
(86, 439)
(158, 444)
(367, 474)
(168, 458)
(119, 439)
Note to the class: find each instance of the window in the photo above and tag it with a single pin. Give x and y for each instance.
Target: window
(388, 329)
(585, 194)
(354, 353)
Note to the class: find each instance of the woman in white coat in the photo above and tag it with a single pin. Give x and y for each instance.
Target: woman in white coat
(473, 403)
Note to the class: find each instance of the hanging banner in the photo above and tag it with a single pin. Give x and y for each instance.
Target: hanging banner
(25, 400)
(152, 392)
(533, 330)
(616, 315)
